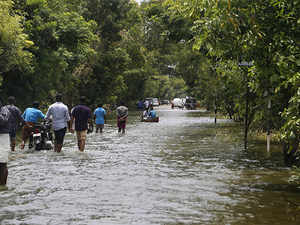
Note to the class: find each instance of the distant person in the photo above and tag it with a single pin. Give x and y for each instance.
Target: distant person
(140, 105)
(59, 114)
(31, 116)
(172, 104)
(4, 143)
(146, 104)
(15, 119)
(145, 114)
(122, 114)
(82, 116)
(99, 117)
(152, 112)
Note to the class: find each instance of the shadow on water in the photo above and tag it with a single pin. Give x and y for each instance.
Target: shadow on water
(182, 170)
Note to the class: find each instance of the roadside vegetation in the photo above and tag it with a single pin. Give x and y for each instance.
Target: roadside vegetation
(237, 57)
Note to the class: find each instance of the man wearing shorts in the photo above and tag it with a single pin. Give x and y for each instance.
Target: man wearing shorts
(15, 119)
(99, 117)
(59, 113)
(122, 114)
(4, 144)
(82, 116)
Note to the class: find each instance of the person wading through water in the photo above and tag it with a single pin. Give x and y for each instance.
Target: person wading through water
(122, 114)
(99, 117)
(82, 115)
(5, 116)
(15, 120)
(59, 113)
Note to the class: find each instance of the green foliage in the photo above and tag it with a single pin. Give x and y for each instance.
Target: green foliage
(112, 50)
(264, 32)
(291, 127)
(14, 43)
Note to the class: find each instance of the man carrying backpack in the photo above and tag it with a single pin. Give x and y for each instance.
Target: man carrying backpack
(15, 119)
(4, 142)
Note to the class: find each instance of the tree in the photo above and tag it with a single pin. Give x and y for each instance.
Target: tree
(265, 32)
(14, 43)
(63, 47)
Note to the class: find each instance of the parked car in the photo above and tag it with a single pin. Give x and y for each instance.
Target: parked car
(155, 102)
(178, 102)
(165, 102)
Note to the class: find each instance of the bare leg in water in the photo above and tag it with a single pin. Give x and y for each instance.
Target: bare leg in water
(79, 144)
(12, 144)
(82, 145)
(57, 147)
(3, 173)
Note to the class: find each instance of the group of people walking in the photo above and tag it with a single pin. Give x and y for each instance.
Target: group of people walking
(76, 120)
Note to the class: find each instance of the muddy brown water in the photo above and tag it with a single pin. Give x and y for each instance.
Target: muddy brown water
(182, 170)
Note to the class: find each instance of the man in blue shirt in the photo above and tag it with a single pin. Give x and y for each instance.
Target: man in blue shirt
(31, 116)
(152, 112)
(99, 117)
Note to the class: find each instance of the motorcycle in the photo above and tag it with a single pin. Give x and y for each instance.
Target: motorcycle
(41, 138)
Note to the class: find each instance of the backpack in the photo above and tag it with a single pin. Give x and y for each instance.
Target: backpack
(4, 116)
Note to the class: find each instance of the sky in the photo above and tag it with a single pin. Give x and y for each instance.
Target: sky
(139, 1)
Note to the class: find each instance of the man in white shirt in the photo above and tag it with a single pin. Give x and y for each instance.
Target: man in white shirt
(59, 113)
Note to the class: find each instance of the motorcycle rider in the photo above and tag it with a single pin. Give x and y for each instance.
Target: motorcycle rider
(31, 116)
(59, 113)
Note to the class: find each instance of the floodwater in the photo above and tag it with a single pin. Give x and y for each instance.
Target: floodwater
(182, 170)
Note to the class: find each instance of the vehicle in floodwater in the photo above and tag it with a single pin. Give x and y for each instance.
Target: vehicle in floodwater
(41, 138)
(150, 119)
(190, 103)
(178, 102)
(155, 102)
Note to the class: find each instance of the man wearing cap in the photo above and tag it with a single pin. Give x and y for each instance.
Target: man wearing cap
(31, 116)
(59, 113)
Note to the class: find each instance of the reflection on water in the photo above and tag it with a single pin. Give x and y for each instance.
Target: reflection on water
(182, 170)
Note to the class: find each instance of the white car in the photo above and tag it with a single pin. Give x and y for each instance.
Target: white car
(155, 102)
(178, 102)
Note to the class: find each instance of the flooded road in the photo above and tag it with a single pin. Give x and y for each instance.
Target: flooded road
(182, 170)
